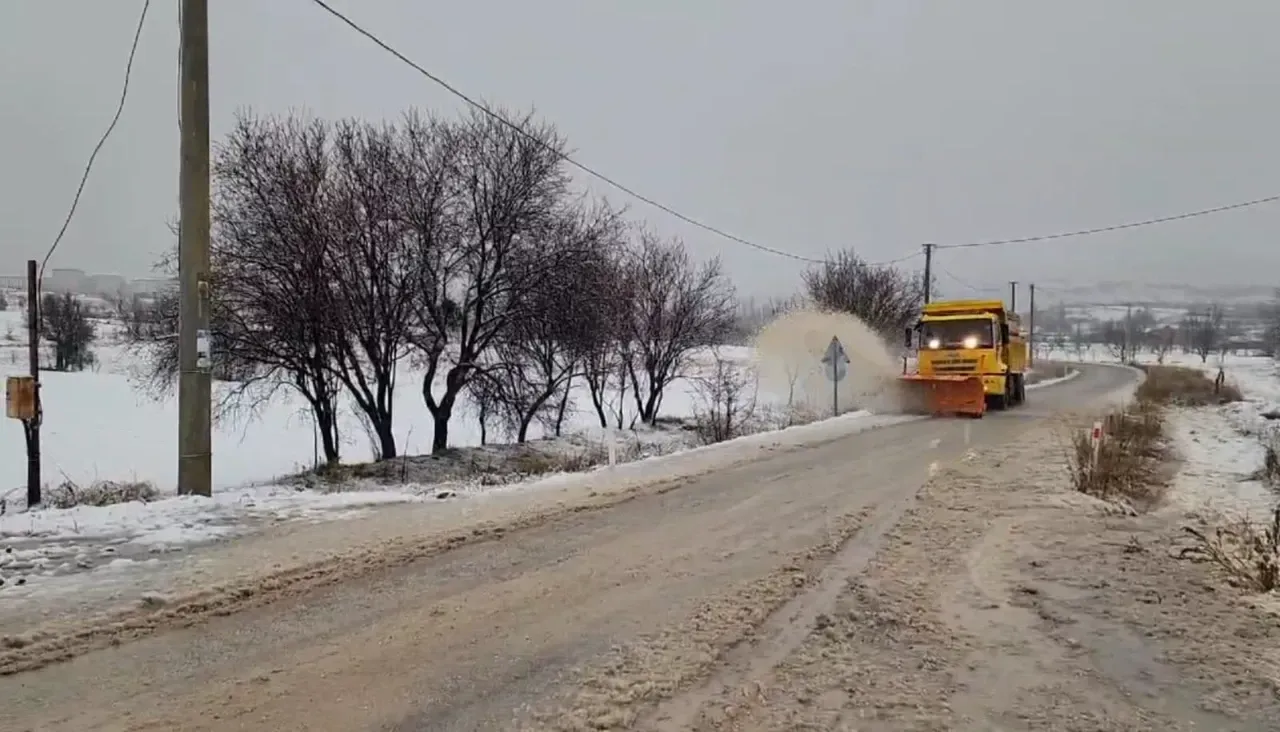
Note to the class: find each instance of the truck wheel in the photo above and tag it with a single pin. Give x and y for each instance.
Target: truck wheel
(1000, 402)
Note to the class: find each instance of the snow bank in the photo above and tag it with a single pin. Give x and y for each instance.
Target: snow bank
(190, 519)
(1223, 447)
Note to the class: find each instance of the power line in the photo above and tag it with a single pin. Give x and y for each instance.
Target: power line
(963, 283)
(522, 132)
(720, 232)
(1115, 227)
(124, 94)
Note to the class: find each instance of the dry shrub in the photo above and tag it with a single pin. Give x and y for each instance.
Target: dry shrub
(1248, 551)
(568, 461)
(725, 401)
(1184, 387)
(1128, 464)
(68, 494)
(1269, 473)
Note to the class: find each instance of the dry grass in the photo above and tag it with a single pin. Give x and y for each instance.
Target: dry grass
(1128, 466)
(1184, 387)
(1131, 463)
(1248, 551)
(69, 494)
(1269, 473)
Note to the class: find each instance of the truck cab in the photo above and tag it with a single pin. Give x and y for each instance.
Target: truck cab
(977, 338)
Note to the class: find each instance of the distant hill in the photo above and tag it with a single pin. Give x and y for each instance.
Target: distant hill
(1121, 292)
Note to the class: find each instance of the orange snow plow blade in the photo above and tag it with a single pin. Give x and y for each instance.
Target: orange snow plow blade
(944, 395)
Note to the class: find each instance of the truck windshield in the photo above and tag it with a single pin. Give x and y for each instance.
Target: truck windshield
(952, 333)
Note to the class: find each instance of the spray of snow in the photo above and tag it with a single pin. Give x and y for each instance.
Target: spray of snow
(789, 354)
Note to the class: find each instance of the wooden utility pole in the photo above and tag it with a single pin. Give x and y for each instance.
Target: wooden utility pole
(31, 426)
(1031, 326)
(928, 272)
(195, 459)
(1013, 296)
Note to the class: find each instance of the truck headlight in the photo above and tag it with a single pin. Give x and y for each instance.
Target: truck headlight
(934, 343)
(971, 342)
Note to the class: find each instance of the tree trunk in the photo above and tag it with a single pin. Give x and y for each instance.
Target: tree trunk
(327, 426)
(650, 412)
(442, 411)
(597, 401)
(563, 406)
(386, 438)
(440, 434)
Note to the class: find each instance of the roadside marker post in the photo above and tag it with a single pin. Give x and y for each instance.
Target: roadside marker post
(1095, 441)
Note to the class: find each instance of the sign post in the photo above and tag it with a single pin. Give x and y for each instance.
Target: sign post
(835, 364)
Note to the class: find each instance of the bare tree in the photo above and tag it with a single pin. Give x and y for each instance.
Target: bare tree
(1161, 340)
(726, 400)
(486, 398)
(1204, 330)
(603, 343)
(886, 298)
(1059, 341)
(374, 268)
(271, 299)
(559, 321)
(679, 309)
(505, 186)
(1271, 322)
(65, 323)
(1116, 337)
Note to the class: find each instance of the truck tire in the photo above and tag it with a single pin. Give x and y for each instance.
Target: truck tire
(1000, 402)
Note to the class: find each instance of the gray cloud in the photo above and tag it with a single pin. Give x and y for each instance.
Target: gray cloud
(807, 126)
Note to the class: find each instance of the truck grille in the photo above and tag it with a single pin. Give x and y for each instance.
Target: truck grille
(955, 365)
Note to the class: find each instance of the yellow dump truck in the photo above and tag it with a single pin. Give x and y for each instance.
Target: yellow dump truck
(971, 356)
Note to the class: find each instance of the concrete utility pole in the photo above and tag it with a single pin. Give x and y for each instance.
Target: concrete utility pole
(1013, 296)
(195, 459)
(928, 271)
(1031, 326)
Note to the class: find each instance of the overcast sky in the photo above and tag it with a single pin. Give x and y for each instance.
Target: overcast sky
(807, 125)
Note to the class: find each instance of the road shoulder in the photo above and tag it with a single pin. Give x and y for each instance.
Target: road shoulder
(1003, 600)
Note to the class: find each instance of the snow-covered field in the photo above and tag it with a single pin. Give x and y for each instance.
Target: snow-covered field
(1222, 447)
(100, 426)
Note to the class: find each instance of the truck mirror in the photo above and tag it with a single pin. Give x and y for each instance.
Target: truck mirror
(1004, 332)
(908, 341)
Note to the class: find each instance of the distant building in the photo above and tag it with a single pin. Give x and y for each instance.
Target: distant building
(65, 280)
(13, 282)
(105, 285)
(152, 285)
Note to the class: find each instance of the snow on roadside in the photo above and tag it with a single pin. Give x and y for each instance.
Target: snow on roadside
(1218, 462)
(1055, 380)
(51, 543)
(189, 519)
(55, 542)
(1223, 447)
